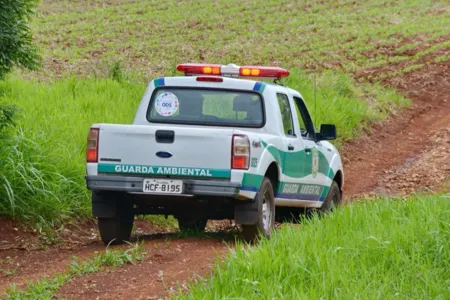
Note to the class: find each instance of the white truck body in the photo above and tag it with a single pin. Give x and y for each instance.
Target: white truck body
(198, 157)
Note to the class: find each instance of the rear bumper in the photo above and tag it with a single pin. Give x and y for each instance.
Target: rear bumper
(191, 187)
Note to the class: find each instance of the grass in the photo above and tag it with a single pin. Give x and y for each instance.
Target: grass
(150, 39)
(42, 160)
(380, 249)
(47, 288)
(43, 166)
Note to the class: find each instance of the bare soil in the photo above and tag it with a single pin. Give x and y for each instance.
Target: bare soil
(406, 153)
(410, 151)
(168, 267)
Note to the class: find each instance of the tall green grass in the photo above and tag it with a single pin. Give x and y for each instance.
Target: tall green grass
(43, 162)
(42, 157)
(381, 249)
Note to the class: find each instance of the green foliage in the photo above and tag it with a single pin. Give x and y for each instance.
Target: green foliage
(46, 288)
(42, 159)
(7, 114)
(115, 72)
(380, 249)
(15, 36)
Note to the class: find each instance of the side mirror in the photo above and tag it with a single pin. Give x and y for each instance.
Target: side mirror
(327, 132)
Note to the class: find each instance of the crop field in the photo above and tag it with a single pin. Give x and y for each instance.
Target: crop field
(151, 38)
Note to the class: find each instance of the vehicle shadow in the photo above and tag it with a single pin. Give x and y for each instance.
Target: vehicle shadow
(222, 236)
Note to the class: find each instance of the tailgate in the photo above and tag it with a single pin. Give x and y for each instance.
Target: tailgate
(181, 151)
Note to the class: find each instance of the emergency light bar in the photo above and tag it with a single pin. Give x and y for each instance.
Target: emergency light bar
(232, 70)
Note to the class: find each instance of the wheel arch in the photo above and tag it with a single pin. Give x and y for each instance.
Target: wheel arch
(273, 173)
(339, 178)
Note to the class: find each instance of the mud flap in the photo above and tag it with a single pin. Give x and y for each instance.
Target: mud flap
(103, 205)
(246, 213)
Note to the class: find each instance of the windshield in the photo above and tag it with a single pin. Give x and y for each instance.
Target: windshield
(215, 107)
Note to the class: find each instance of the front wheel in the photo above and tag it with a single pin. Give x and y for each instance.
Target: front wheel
(266, 213)
(332, 200)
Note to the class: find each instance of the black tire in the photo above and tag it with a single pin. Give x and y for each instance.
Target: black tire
(332, 200)
(117, 229)
(192, 225)
(266, 213)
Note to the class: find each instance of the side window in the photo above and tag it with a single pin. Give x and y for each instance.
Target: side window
(305, 121)
(286, 114)
(301, 122)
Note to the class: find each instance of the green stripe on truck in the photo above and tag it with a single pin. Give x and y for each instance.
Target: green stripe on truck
(162, 170)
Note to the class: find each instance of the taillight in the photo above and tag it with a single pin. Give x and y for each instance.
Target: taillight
(240, 152)
(92, 145)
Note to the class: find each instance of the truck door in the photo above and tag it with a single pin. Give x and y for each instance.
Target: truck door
(293, 163)
(315, 163)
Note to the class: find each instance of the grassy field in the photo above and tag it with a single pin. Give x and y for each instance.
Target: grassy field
(43, 171)
(381, 249)
(98, 56)
(150, 38)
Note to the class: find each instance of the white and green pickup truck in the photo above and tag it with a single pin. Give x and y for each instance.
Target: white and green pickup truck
(213, 144)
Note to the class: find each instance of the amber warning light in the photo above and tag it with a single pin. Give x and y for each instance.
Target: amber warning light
(232, 70)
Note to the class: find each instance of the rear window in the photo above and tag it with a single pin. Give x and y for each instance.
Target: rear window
(215, 107)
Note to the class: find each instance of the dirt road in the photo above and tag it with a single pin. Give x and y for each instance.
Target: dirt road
(408, 152)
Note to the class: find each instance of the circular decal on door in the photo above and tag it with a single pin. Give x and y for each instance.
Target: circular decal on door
(166, 104)
(315, 162)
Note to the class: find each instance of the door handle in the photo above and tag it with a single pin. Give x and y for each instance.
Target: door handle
(165, 136)
(290, 147)
(308, 150)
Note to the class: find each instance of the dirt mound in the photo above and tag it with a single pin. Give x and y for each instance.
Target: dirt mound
(410, 149)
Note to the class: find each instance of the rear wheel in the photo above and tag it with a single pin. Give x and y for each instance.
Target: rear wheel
(192, 225)
(117, 229)
(266, 213)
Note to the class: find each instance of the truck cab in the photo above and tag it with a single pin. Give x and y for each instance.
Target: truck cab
(218, 143)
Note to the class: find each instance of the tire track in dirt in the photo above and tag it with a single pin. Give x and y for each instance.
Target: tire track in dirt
(170, 260)
(25, 258)
(168, 267)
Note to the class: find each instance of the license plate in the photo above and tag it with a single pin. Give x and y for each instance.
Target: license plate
(163, 186)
